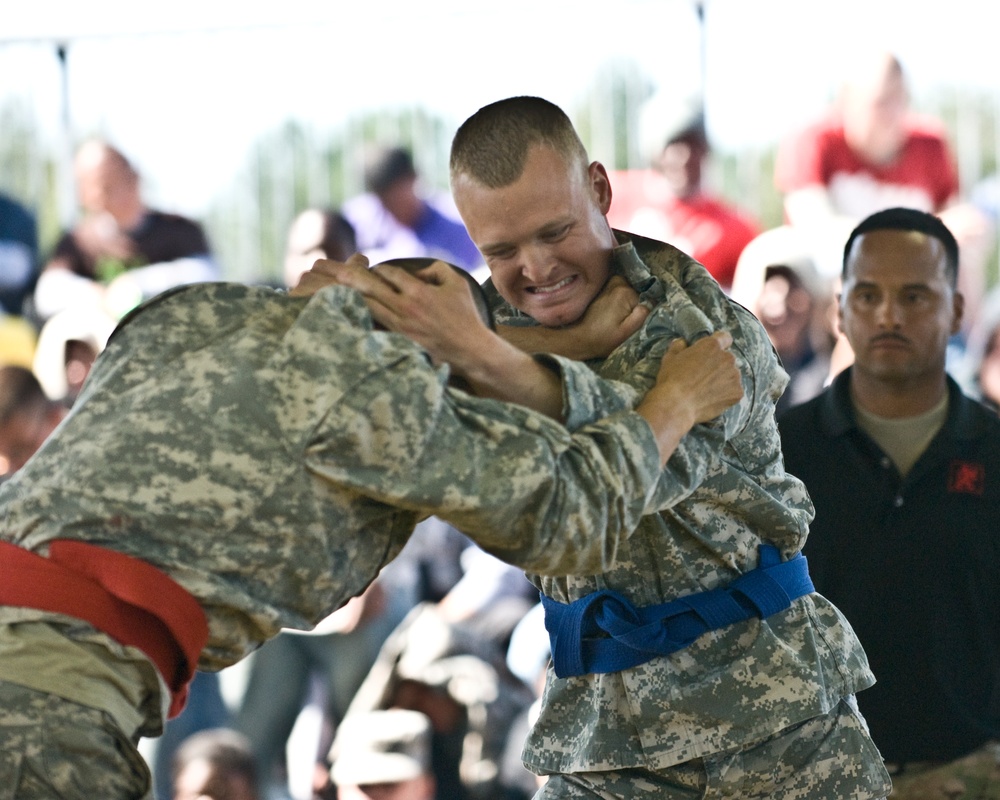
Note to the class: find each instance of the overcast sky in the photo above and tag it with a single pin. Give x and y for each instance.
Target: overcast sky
(184, 88)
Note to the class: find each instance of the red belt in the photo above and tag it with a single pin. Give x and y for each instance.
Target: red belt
(128, 599)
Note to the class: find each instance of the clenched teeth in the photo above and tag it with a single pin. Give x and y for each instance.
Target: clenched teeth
(553, 288)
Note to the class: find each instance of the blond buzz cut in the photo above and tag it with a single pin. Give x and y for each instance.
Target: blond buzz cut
(491, 147)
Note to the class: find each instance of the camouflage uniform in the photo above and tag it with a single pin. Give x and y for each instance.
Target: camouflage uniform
(723, 492)
(975, 776)
(270, 454)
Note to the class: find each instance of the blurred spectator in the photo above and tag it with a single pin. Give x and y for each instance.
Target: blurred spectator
(384, 755)
(777, 279)
(395, 219)
(901, 467)
(121, 251)
(980, 368)
(527, 657)
(491, 597)
(871, 152)
(27, 417)
(460, 680)
(68, 344)
(670, 202)
(215, 764)
(316, 233)
(205, 711)
(18, 255)
(334, 658)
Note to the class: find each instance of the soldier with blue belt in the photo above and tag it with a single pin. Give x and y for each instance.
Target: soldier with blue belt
(742, 696)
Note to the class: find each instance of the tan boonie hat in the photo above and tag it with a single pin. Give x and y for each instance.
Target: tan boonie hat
(389, 746)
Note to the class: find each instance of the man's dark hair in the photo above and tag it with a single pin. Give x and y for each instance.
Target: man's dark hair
(339, 240)
(225, 749)
(908, 219)
(384, 166)
(20, 391)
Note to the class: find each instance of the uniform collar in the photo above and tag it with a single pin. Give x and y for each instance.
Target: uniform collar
(965, 416)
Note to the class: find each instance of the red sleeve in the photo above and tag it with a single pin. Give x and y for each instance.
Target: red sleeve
(946, 174)
(801, 159)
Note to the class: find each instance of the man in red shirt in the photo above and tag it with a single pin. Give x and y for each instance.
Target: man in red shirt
(669, 202)
(869, 153)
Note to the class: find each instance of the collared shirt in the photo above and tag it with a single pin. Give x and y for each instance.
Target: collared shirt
(271, 454)
(723, 492)
(912, 562)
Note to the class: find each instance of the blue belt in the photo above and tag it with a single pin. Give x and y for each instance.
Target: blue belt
(605, 632)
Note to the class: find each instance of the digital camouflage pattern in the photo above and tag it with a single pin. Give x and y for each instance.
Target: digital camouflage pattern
(271, 453)
(827, 757)
(52, 748)
(723, 492)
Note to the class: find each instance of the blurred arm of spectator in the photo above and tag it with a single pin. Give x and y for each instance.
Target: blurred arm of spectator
(485, 581)
(60, 289)
(130, 288)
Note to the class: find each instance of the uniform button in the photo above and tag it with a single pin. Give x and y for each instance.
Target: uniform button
(886, 462)
(898, 501)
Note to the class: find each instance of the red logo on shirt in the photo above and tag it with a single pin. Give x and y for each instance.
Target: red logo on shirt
(965, 477)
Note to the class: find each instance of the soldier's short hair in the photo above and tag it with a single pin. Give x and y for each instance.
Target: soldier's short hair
(908, 219)
(492, 145)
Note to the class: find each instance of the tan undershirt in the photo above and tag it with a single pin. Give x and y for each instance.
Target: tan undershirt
(37, 655)
(903, 439)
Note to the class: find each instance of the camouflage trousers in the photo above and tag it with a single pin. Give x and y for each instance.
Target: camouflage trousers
(972, 777)
(826, 758)
(50, 747)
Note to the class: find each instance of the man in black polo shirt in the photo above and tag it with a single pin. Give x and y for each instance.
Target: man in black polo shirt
(904, 471)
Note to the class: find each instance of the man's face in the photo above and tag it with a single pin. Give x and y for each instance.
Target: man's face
(200, 780)
(105, 185)
(785, 307)
(897, 308)
(544, 237)
(875, 116)
(419, 788)
(681, 163)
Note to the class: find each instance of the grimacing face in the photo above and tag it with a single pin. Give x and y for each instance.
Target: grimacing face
(898, 309)
(544, 237)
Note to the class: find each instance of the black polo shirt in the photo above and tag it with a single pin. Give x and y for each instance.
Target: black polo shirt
(914, 564)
